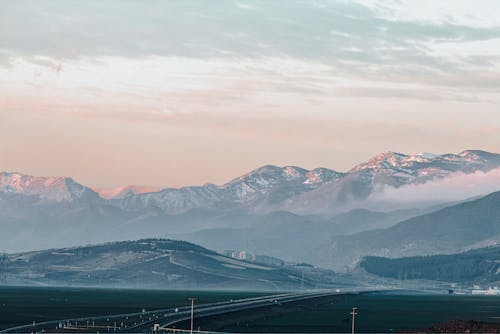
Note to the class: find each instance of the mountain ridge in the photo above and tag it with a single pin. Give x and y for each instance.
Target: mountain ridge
(456, 228)
(37, 212)
(270, 187)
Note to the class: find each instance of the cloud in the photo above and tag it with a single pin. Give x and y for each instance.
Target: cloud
(455, 187)
(449, 11)
(355, 41)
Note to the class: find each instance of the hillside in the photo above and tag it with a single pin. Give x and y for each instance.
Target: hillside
(480, 266)
(155, 263)
(287, 235)
(456, 228)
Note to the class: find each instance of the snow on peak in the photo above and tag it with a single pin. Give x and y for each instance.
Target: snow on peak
(263, 179)
(293, 172)
(427, 155)
(472, 155)
(270, 174)
(321, 175)
(52, 188)
(422, 157)
(385, 160)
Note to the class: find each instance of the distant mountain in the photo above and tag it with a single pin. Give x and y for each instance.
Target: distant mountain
(158, 263)
(480, 266)
(57, 189)
(41, 212)
(265, 183)
(287, 235)
(390, 169)
(467, 225)
(269, 188)
(121, 192)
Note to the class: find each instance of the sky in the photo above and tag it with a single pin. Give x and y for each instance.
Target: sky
(174, 93)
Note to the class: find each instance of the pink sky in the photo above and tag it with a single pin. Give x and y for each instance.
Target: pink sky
(168, 106)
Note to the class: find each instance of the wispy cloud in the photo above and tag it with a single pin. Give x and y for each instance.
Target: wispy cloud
(455, 187)
(335, 33)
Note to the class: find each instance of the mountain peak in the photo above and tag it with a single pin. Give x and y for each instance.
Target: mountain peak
(272, 172)
(387, 160)
(59, 189)
(322, 175)
(477, 154)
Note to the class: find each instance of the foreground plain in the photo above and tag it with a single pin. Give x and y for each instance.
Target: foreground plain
(378, 312)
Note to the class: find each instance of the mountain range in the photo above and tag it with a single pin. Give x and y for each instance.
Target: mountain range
(267, 188)
(288, 212)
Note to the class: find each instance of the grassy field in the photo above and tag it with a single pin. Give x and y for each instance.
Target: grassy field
(23, 305)
(378, 313)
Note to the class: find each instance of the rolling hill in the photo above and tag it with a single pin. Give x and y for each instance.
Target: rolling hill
(153, 263)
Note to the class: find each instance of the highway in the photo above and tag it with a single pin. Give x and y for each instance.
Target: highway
(143, 322)
(213, 309)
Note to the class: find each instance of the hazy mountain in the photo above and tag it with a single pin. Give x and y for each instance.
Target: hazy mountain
(453, 229)
(157, 263)
(480, 266)
(260, 206)
(288, 235)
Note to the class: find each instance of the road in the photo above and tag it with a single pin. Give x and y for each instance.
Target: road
(211, 309)
(144, 321)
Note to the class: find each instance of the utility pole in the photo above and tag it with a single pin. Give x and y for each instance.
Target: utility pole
(192, 314)
(353, 313)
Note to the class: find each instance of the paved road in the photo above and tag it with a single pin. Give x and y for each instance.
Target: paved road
(210, 309)
(143, 322)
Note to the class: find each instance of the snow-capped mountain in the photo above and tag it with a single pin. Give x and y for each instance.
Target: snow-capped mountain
(393, 170)
(58, 189)
(267, 178)
(244, 190)
(268, 188)
(427, 164)
(49, 211)
(396, 169)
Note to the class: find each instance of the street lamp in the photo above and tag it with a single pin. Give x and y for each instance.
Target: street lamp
(354, 312)
(192, 313)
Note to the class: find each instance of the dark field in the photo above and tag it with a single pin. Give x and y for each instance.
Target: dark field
(23, 305)
(378, 313)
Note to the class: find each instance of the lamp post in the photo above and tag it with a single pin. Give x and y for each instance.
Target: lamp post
(353, 313)
(192, 313)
